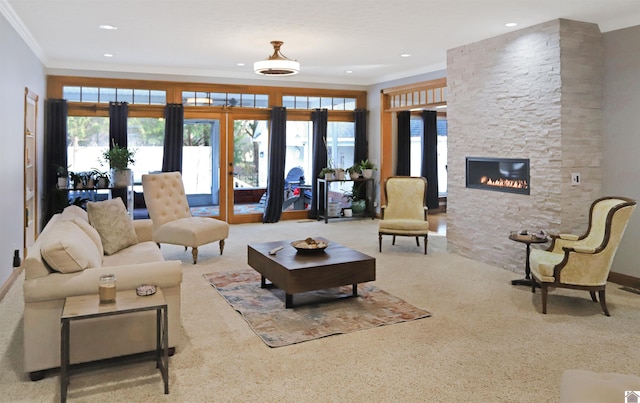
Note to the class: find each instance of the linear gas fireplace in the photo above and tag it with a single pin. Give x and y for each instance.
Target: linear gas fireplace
(500, 174)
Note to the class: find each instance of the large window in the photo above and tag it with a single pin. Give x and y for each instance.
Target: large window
(88, 138)
(417, 130)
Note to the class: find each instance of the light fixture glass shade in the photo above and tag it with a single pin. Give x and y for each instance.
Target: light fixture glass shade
(277, 64)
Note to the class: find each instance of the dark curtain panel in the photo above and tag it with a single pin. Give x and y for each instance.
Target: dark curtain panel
(277, 152)
(361, 148)
(118, 115)
(403, 166)
(55, 155)
(429, 167)
(173, 138)
(319, 119)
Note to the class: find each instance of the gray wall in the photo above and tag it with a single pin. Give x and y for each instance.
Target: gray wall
(621, 133)
(19, 68)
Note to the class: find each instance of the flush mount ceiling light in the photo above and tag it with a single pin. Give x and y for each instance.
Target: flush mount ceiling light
(276, 64)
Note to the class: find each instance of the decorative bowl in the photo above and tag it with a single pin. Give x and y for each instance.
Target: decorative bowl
(146, 290)
(309, 245)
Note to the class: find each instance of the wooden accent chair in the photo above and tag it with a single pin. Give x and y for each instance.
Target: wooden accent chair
(172, 220)
(405, 213)
(583, 262)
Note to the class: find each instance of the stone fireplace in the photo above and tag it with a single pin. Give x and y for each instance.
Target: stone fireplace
(534, 94)
(510, 175)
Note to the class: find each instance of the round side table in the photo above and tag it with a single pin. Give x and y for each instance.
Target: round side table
(528, 240)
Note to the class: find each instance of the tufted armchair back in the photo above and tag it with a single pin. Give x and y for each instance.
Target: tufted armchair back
(165, 197)
(406, 198)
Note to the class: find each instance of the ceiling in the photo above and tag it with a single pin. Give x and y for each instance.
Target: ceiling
(208, 38)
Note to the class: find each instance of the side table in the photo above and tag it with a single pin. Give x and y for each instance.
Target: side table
(528, 240)
(88, 306)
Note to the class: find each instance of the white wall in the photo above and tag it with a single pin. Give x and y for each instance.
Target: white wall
(19, 68)
(621, 135)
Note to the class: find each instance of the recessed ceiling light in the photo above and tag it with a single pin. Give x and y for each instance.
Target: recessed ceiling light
(108, 27)
(349, 71)
(240, 64)
(405, 55)
(108, 55)
(510, 24)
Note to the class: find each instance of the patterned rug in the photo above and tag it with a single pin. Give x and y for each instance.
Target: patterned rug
(319, 314)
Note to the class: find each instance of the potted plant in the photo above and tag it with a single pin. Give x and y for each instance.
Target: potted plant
(367, 168)
(119, 159)
(339, 174)
(354, 171)
(327, 173)
(63, 177)
(101, 178)
(76, 179)
(358, 205)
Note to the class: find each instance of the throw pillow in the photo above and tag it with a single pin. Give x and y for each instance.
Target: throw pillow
(111, 220)
(67, 248)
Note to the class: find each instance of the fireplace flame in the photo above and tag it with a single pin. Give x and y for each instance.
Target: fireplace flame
(505, 183)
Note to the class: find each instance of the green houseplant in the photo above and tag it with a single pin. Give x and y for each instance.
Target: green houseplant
(367, 168)
(119, 159)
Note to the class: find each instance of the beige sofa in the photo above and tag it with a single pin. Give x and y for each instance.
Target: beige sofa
(45, 290)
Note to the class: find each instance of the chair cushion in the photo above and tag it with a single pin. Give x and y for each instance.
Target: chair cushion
(192, 231)
(68, 249)
(407, 227)
(543, 262)
(111, 220)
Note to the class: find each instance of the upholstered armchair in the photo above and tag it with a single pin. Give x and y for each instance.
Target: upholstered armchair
(173, 223)
(583, 262)
(405, 213)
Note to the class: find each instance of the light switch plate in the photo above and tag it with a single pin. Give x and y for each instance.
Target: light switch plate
(575, 179)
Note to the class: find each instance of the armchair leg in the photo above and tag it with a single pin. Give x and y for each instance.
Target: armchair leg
(417, 241)
(379, 242)
(593, 296)
(543, 286)
(221, 246)
(425, 243)
(603, 302)
(194, 253)
(394, 240)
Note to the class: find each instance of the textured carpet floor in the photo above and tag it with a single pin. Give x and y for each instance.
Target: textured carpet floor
(319, 314)
(486, 341)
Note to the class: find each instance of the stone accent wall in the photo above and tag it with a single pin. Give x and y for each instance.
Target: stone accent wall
(533, 93)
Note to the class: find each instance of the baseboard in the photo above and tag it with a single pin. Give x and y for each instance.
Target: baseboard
(4, 289)
(625, 280)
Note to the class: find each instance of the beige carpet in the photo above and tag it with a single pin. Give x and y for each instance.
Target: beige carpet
(486, 341)
(315, 314)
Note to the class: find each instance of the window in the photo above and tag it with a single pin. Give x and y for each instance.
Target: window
(106, 95)
(88, 138)
(201, 98)
(417, 130)
(311, 102)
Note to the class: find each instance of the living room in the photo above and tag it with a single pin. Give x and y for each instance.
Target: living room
(479, 223)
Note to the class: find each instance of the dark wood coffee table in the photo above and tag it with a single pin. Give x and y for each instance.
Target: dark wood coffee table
(295, 272)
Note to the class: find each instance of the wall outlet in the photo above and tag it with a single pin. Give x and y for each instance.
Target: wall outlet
(375, 204)
(575, 179)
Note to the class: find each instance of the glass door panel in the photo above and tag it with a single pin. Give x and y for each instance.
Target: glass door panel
(249, 169)
(201, 166)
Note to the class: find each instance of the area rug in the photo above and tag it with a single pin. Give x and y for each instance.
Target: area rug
(319, 314)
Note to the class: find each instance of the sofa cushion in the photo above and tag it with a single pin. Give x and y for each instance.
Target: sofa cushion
(68, 249)
(111, 220)
(91, 233)
(142, 252)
